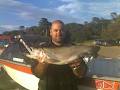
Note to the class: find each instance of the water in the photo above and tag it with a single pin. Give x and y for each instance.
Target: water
(105, 67)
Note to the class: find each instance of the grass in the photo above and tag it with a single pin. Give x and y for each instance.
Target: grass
(90, 42)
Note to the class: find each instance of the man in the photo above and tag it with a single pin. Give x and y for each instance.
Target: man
(58, 77)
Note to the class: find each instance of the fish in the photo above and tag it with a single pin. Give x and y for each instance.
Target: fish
(62, 55)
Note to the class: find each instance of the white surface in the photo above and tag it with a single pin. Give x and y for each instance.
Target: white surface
(26, 80)
(18, 59)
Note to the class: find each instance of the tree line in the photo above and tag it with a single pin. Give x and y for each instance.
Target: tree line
(97, 28)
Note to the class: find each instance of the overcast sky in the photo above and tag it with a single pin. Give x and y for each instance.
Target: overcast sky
(14, 13)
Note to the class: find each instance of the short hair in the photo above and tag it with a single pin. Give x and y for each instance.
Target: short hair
(58, 21)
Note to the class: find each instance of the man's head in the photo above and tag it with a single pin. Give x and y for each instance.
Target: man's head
(57, 32)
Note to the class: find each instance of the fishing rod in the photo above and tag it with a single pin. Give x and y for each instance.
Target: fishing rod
(30, 50)
(23, 42)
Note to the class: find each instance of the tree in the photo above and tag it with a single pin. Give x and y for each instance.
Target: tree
(114, 16)
(113, 32)
(88, 32)
(76, 30)
(95, 20)
(34, 30)
(44, 25)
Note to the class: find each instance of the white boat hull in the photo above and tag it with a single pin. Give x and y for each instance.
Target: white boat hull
(21, 74)
(26, 80)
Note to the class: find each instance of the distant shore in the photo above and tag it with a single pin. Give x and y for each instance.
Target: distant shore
(110, 51)
(105, 51)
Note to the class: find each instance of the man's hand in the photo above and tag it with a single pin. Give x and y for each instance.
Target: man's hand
(40, 69)
(37, 55)
(79, 67)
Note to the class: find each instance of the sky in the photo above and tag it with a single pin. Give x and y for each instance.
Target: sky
(15, 13)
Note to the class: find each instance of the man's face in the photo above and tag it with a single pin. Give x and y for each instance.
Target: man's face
(57, 32)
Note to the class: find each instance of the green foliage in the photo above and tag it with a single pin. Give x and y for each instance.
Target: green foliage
(76, 30)
(113, 32)
(44, 26)
(97, 28)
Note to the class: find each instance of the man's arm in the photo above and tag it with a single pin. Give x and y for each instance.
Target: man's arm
(39, 69)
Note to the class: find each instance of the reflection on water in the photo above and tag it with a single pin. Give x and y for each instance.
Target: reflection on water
(105, 67)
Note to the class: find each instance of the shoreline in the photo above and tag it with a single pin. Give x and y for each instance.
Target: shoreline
(110, 52)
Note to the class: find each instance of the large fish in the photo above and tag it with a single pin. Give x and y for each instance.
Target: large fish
(62, 55)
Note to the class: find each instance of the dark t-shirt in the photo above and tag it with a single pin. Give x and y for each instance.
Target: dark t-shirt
(57, 77)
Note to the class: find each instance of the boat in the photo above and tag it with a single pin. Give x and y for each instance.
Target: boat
(21, 74)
